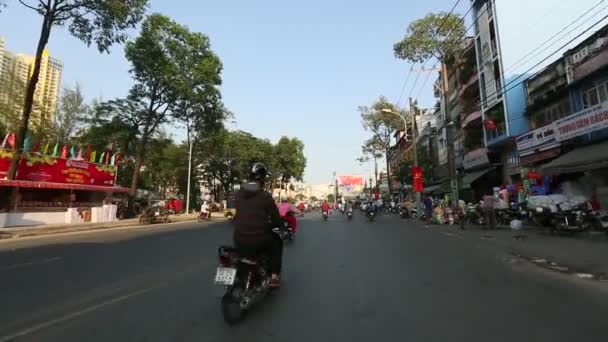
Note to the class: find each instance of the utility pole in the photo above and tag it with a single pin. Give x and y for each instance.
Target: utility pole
(336, 187)
(415, 147)
(189, 168)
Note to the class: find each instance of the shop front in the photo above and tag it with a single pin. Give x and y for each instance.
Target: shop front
(53, 190)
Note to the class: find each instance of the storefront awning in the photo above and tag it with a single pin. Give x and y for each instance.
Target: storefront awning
(471, 177)
(586, 158)
(65, 186)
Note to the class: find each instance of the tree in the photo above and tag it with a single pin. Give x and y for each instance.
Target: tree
(383, 126)
(436, 35)
(290, 160)
(101, 22)
(314, 199)
(71, 112)
(331, 198)
(372, 149)
(174, 70)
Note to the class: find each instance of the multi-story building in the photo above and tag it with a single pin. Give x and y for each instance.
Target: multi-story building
(15, 72)
(503, 101)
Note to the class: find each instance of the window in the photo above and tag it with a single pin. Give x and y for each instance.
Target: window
(595, 95)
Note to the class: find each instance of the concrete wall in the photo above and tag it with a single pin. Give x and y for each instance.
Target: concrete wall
(31, 219)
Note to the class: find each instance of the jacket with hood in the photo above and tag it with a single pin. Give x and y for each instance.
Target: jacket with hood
(256, 214)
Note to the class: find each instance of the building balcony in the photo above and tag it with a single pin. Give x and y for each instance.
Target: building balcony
(471, 120)
(497, 135)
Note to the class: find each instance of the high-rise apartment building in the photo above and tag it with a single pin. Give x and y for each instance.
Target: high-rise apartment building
(15, 72)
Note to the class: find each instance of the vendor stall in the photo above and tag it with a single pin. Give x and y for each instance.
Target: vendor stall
(55, 190)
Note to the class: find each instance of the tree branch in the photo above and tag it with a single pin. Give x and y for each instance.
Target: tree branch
(32, 7)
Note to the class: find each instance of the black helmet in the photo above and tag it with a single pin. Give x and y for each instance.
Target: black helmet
(258, 172)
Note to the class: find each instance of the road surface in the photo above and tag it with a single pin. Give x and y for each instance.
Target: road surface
(390, 280)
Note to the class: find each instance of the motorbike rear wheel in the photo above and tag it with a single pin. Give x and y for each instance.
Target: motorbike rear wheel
(231, 309)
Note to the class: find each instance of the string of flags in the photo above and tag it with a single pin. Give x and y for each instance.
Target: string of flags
(108, 156)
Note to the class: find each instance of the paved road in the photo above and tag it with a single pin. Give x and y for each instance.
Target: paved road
(344, 281)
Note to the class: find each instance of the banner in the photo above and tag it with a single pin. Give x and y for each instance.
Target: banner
(583, 122)
(417, 179)
(539, 139)
(351, 183)
(41, 168)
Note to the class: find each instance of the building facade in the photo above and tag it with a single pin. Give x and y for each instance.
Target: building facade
(16, 71)
(502, 99)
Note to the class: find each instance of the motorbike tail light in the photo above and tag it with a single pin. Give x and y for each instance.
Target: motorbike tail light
(225, 260)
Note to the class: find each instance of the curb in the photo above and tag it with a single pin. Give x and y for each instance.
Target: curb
(16, 233)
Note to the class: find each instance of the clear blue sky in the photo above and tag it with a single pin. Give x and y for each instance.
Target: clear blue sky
(296, 68)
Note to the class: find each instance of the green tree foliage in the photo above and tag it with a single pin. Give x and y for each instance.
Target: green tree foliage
(70, 114)
(101, 22)
(290, 161)
(436, 35)
(331, 198)
(383, 127)
(175, 74)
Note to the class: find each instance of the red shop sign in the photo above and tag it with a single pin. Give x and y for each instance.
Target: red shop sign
(40, 168)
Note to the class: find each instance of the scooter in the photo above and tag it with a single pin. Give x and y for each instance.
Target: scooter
(570, 221)
(371, 216)
(246, 279)
(325, 215)
(349, 214)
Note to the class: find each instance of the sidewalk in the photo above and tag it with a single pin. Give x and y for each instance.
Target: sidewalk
(18, 232)
(583, 254)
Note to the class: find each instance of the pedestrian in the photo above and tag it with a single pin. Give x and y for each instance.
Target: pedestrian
(489, 203)
(428, 207)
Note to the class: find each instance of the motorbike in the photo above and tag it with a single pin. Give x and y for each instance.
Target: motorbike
(408, 213)
(570, 221)
(349, 214)
(203, 217)
(154, 215)
(599, 221)
(286, 234)
(371, 216)
(325, 215)
(246, 278)
(473, 215)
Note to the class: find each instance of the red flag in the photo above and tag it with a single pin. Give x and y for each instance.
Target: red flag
(12, 140)
(87, 155)
(418, 179)
(107, 160)
(490, 124)
(116, 159)
(64, 152)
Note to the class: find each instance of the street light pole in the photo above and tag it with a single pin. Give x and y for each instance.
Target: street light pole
(414, 144)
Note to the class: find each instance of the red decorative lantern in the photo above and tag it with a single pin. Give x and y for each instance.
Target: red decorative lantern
(418, 179)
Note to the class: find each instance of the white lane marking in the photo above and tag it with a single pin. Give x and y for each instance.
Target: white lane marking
(75, 314)
(30, 263)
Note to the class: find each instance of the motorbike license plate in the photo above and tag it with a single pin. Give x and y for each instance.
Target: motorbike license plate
(225, 275)
(156, 213)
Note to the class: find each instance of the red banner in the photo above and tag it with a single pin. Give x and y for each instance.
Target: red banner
(39, 168)
(418, 179)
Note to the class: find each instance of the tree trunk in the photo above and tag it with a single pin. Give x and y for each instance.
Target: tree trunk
(139, 160)
(388, 173)
(45, 32)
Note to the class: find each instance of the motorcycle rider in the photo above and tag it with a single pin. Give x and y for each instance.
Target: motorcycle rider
(256, 215)
(284, 209)
(325, 207)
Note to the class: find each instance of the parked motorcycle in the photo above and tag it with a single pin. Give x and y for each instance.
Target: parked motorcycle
(154, 215)
(473, 215)
(570, 221)
(203, 217)
(246, 278)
